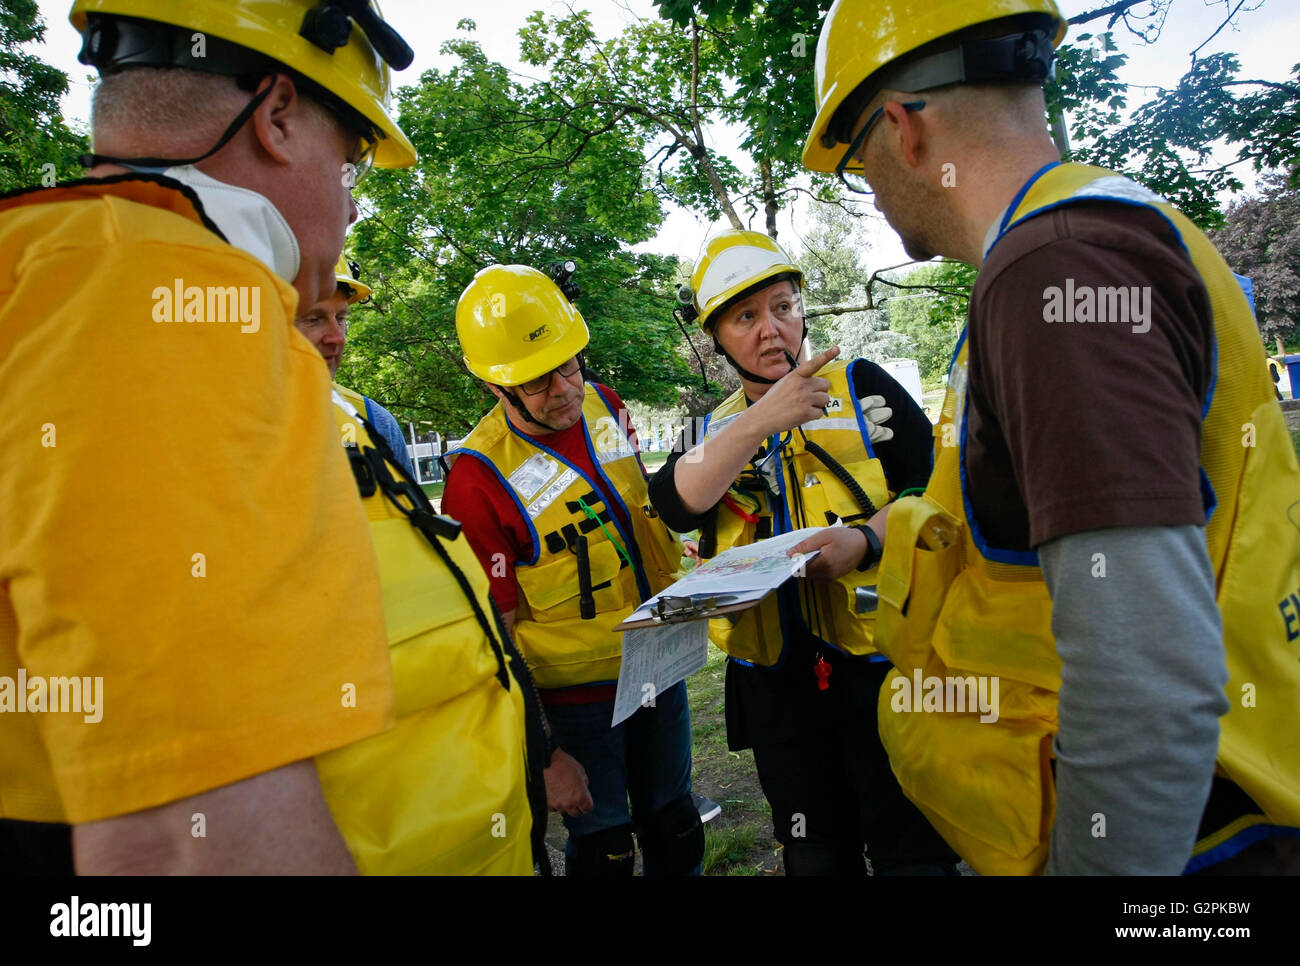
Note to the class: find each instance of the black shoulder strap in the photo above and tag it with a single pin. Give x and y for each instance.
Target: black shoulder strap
(510, 663)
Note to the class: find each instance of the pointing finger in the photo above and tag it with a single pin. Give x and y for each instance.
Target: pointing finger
(810, 367)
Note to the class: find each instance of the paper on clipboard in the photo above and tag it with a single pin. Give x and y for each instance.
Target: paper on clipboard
(657, 653)
(739, 576)
(654, 659)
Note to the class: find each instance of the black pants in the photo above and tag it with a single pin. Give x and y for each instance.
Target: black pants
(832, 790)
(35, 848)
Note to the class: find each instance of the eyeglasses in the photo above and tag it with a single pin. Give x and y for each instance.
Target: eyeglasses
(365, 160)
(856, 181)
(362, 157)
(535, 387)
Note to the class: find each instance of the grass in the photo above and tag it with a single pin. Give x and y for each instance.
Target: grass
(433, 490)
(1295, 438)
(739, 841)
(728, 847)
(652, 461)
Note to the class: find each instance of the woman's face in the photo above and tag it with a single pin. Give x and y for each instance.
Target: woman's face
(760, 329)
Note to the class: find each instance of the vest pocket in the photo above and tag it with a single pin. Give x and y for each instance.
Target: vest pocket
(752, 635)
(551, 589)
(661, 553)
(922, 558)
(986, 789)
(430, 624)
(999, 628)
(848, 609)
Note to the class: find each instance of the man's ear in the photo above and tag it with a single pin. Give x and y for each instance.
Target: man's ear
(905, 126)
(271, 121)
(495, 390)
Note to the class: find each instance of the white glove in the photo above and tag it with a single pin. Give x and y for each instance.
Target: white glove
(875, 413)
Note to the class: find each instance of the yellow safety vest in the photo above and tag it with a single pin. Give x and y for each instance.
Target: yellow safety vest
(841, 613)
(444, 792)
(950, 606)
(561, 648)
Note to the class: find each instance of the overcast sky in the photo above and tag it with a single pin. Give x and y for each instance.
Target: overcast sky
(1263, 37)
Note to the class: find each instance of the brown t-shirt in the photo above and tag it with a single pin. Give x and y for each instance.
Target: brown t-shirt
(1076, 425)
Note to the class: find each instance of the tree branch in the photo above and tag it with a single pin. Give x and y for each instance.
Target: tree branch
(1225, 23)
(701, 153)
(1114, 11)
(1120, 11)
(813, 312)
(769, 195)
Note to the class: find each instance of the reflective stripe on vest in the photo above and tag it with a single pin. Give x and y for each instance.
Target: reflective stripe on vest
(443, 792)
(953, 607)
(839, 613)
(562, 649)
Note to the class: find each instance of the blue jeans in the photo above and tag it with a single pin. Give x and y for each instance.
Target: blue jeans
(645, 759)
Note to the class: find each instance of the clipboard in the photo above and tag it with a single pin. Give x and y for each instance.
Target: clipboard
(669, 609)
(734, 580)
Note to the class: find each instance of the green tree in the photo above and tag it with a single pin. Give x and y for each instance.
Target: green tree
(36, 145)
(494, 185)
(928, 304)
(659, 82)
(1168, 143)
(766, 54)
(1260, 238)
(835, 288)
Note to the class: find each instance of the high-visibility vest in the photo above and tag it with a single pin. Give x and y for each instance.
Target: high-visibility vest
(444, 792)
(559, 502)
(840, 613)
(952, 606)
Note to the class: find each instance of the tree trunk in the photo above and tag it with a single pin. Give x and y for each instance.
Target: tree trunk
(769, 197)
(701, 152)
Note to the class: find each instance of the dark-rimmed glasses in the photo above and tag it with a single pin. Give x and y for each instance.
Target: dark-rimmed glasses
(856, 181)
(535, 387)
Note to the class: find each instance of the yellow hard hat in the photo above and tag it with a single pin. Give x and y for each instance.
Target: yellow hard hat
(515, 324)
(732, 262)
(349, 274)
(348, 56)
(860, 37)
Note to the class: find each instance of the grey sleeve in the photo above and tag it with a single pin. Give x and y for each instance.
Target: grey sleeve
(1142, 688)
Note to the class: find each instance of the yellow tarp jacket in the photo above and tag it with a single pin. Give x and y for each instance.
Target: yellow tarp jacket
(444, 792)
(176, 520)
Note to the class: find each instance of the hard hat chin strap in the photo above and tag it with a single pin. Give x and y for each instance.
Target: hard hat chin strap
(523, 410)
(90, 160)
